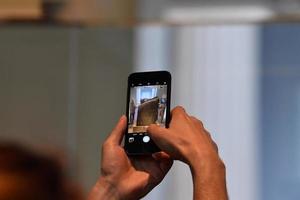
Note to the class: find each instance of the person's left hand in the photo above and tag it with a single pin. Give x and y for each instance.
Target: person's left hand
(127, 178)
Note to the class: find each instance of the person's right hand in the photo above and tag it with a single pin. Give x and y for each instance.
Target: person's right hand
(187, 140)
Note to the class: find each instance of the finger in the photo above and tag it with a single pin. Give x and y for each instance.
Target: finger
(178, 111)
(160, 136)
(212, 141)
(197, 122)
(208, 134)
(154, 129)
(165, 161)
(199, 125)
(118, 132)
(165, 165)
(178, 114)
(161, 156)
(215, 146)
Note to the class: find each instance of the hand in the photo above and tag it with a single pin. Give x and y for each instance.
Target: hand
(188, 141)
(185, 139)
(127, 178)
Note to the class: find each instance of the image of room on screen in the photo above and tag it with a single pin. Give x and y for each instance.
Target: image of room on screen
(147, 105)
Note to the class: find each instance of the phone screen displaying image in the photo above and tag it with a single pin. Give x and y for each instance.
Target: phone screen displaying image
(147, 106)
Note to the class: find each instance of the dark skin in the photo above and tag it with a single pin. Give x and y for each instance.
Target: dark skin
(186, 140)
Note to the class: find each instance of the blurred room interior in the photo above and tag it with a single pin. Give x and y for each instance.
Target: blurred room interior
(235, 65)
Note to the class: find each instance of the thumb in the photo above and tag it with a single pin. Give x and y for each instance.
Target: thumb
(160, 136)
(117, 133)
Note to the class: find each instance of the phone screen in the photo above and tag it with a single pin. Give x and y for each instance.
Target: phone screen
(147, 105)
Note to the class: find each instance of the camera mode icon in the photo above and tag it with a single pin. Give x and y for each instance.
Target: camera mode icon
(131, 140)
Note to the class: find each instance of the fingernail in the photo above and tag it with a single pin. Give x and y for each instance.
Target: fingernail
(154, 156)
(123, 117)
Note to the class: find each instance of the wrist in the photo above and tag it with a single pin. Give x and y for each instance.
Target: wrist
(104, 190)
(209, 175)
(210, 167)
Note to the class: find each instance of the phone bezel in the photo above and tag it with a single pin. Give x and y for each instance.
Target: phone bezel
(145, 77)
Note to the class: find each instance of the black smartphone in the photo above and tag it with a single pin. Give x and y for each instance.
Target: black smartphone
(148, 102)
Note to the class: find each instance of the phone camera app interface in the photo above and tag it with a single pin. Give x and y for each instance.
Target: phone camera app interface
(147, 105)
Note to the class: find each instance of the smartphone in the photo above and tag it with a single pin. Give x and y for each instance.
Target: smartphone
(148, 102)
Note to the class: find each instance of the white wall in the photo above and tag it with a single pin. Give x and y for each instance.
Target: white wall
(216, 11)
(215, 78)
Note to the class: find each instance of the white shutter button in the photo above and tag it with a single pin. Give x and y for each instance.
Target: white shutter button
(146, 139)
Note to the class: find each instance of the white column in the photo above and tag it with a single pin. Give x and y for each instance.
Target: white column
(215, 77)
(152, 52)
(152, 46)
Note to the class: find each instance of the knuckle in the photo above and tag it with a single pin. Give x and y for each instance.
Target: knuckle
(215, 146)
(105, 144)
(179, 109)
(208, 134)
(194, 119)
(222, 165)
(200, 122)
(197, 120)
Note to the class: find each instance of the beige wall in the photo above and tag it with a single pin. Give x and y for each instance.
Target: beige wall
(118, 12)
(62, 89)
(33, 82)
(105, 61)
(16, 9)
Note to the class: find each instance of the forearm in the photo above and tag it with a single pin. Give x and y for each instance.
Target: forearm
(209, 181)
(103, 190)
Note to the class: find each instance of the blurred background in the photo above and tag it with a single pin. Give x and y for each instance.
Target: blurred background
(235, 65)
